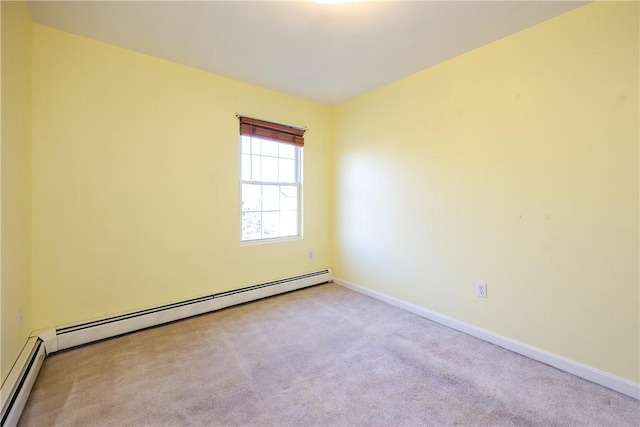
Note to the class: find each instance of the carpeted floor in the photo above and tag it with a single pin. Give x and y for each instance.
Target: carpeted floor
(322, 356)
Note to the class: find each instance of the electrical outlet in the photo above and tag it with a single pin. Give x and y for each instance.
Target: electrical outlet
(20, 317)
(310, 254)
(481, 290)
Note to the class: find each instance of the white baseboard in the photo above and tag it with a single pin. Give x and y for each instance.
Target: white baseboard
(589, 373)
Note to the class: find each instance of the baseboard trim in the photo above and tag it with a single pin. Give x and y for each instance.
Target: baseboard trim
(578, 369)
(16, 388)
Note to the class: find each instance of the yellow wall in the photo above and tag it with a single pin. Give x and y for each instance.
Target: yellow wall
(16, 181)
(515, 164)
(135, 181)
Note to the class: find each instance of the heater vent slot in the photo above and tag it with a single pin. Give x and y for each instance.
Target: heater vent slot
(78, 327)
(274, 283)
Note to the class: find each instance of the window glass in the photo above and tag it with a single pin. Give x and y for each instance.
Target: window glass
(270, 189)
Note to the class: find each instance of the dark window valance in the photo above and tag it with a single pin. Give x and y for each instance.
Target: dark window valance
(269, 130)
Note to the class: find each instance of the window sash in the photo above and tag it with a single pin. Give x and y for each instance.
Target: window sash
(280, 220)
(265, 210)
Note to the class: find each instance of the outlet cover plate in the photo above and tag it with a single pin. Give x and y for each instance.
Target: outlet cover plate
(481, 290)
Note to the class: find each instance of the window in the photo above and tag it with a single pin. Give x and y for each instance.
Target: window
(270, 171)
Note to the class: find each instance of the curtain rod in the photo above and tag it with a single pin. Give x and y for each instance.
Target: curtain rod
(304, 128)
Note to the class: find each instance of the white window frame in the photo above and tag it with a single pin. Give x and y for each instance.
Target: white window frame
(297, 183)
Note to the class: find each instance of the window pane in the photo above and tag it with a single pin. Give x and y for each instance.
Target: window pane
(255, 146)
(269, 148)
(288, 223)
(271, 224)
(271, 198)
(246, 168)
(288, 151)
(288, 198)
(287, 170)
(251, 199)
(255, 168)
(246, 144)
(251, 229)
(269, 169)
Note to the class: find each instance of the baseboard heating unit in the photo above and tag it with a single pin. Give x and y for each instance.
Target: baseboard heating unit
(16, 388)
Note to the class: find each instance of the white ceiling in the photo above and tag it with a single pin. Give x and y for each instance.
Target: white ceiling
(322, 52)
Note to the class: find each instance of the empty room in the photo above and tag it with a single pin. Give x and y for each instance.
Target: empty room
(320, 213)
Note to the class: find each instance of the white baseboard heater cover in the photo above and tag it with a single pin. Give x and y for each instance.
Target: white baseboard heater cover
(82, 333)
(17, 386)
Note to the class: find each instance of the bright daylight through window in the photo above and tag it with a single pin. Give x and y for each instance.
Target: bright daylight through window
(270, 171)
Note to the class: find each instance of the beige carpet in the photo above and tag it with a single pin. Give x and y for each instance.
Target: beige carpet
(322, 356)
